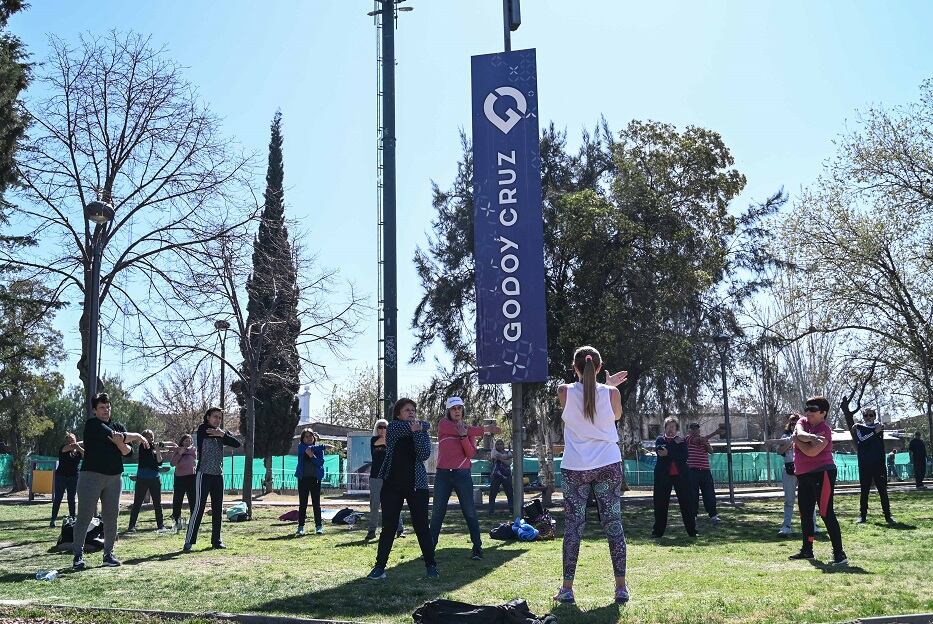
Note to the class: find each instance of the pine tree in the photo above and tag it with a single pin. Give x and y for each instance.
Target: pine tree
(272, 315)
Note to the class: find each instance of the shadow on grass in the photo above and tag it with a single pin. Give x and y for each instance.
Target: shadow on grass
(287, 536)
(405, 589)
(6, 545)
(15, 577)
(163, 557)
(360, 542)
(571, 613)
(826, 568)
(899, 526)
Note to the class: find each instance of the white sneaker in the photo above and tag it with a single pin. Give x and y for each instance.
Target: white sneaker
(785, 530)
(300, 531)
(715, 519)
(817, 530)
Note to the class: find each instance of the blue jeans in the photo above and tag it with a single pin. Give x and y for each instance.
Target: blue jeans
(459, 481)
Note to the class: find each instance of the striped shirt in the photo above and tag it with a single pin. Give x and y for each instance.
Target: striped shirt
(696, 453)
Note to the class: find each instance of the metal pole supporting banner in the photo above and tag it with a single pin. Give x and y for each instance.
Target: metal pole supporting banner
(390, 269)
(518, 456)
(93, 300)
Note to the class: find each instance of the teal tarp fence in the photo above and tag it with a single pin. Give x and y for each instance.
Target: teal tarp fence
(746, 468)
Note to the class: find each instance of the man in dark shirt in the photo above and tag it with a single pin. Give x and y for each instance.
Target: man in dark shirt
(918, 457)
(868, 437)
(105, 445)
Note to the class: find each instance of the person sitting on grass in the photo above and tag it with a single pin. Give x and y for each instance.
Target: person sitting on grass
(404, 478)
(816, 478)
(210, 440)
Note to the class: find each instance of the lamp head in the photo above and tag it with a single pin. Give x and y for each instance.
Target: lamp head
(99, 212)
(722, 344)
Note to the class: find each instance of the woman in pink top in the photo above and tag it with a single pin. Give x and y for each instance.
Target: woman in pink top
(456, 446)
(184, 458)
(816, 478)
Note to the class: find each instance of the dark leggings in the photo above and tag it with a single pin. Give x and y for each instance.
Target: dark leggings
(392, 499)
(213, 486)
(663, 483)
(154, 487)
(811, 488)
(184, 487)
(309, 485)
(873, 473)
(63, 484)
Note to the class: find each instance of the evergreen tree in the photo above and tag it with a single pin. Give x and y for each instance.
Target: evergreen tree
(272, 316)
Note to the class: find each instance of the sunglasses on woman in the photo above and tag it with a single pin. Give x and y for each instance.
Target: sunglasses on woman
(812, 408)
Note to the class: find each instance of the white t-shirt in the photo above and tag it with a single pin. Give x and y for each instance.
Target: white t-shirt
(589, 445)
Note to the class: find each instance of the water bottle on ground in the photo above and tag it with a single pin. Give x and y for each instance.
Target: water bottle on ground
(46, 575)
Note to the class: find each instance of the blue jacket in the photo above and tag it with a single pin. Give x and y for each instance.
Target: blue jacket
(675, 453)
(317, 461)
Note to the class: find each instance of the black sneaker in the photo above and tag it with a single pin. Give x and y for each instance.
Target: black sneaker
(377, 574)
(370, 535)
(110, 561)
(78, 562)
(219, 546)
(431, 572)
(401, 532)
(803, 554)
(477, 553)
(839, 559)
(187, 547)
(861, 520)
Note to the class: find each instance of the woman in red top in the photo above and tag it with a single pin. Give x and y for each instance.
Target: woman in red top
(456, 446)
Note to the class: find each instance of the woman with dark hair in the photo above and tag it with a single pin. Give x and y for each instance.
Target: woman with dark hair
(816, 478)
(310, 473)
(671, 472)
(377, 451)
(66, 475)
(184, 459)
(404, 478)
(147, 481)
(592, 462)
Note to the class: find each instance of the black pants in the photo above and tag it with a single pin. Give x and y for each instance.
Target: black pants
(309, 485)
(920, 472)
(392, 499)
(154, 487)
(702, 481)
(214, 486)
(810, 487)
(63, 484)
(663, 483)
(497, 481)
(869, 473)
(184, 487)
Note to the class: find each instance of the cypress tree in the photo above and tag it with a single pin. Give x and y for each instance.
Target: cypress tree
(272, 313)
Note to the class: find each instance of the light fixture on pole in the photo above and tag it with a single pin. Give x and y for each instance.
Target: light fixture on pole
(100, 214)
(722, 347)
(222, 326)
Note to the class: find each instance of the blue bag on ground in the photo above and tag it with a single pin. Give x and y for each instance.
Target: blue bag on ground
(524, 531)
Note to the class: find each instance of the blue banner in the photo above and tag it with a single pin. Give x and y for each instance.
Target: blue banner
(511, 321)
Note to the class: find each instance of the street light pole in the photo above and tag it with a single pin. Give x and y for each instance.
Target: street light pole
(222, 326)
(100, 214)
(722, 346)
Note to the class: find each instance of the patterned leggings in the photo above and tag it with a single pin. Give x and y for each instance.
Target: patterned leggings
(607, 484)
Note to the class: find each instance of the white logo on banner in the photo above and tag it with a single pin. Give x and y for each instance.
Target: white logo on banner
(511, 118)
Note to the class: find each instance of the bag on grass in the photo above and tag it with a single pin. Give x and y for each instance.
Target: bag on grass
(546, 526)
(289, 516)
(524, 531)
(237, 512)
(93, 541)
(533, 510)
(502, 532)
(347, 516)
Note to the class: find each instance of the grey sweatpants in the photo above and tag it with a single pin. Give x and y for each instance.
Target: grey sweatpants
(375, 490)
(790, 492)
(94, 486)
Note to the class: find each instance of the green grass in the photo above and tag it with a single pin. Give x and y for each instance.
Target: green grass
(737, 572)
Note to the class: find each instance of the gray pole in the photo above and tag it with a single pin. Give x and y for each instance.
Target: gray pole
(725, 409)
(223, 365)
(389, 267)
(93, 300)
(518, 456)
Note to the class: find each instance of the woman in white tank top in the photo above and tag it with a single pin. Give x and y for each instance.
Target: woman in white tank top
(592, 462)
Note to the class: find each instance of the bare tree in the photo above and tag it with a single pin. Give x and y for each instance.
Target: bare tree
(122, 125)
(183, 395)
(212, 283)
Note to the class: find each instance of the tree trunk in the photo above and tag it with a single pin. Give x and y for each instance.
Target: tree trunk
(17, 452)
(267, 481)
(248, 467)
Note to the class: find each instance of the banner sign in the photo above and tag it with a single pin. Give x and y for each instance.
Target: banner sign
(511, 321)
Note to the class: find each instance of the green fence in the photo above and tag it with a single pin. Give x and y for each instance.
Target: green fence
(6, 471)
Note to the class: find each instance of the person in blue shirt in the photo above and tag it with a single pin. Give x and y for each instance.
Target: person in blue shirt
(310, 473)
(147, 481)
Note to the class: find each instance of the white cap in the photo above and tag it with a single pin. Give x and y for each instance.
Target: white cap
(454, 401)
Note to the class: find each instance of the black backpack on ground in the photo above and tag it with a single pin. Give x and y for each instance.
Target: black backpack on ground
(533, 510)
(452, 612)
(94, 540)
(502, 532)
(347, 516)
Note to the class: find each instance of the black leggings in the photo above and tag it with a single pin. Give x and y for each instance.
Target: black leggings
(810, 488)
(392, 499)
(873, 473)
(213, 485)
(64, 484)
(309, 485)
(154, 487)
(663, 482)
(184, 487)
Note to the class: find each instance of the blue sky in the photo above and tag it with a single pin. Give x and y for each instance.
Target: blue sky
(778, 80)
